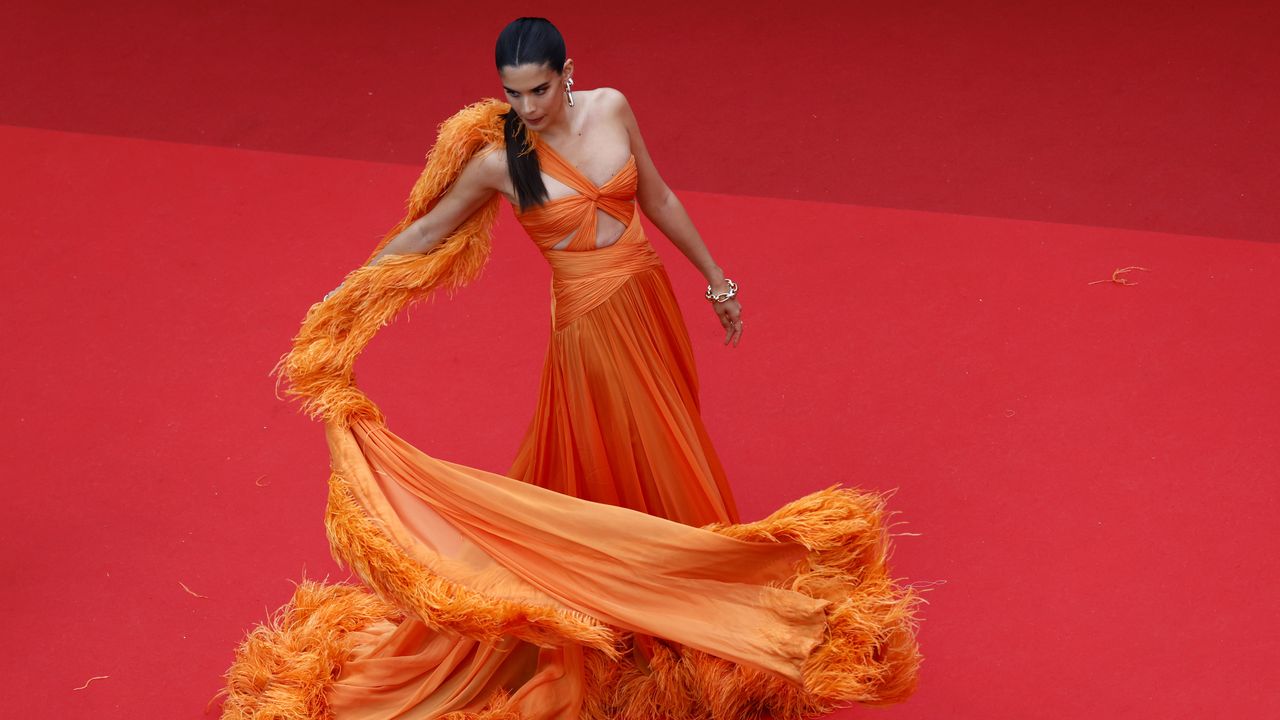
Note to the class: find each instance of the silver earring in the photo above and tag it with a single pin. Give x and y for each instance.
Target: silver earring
(568, 90)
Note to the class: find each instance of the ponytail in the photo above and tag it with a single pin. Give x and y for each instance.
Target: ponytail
(522, 163)
(527, 40)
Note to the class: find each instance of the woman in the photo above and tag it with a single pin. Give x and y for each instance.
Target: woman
(607, 575)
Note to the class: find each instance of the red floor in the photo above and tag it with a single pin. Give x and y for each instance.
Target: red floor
(1089, 467)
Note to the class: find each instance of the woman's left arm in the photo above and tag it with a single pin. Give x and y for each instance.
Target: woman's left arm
(661, 205)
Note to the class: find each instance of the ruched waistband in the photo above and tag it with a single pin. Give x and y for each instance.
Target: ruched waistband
(582, 279)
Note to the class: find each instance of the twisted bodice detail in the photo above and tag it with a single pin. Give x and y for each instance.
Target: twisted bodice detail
(550, 223)
(584, 275)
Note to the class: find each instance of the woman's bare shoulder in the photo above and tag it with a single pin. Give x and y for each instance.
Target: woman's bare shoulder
(489, 167)
(610, 98)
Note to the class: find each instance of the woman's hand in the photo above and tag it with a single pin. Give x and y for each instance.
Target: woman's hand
(730, 314)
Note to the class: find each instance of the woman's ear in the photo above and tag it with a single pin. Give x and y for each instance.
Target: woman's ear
(568, 69)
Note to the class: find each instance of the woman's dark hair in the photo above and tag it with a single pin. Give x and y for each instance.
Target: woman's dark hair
(527, 40)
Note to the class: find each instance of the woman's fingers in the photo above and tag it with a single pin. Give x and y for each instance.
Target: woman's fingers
(735, 333)
(731, 320)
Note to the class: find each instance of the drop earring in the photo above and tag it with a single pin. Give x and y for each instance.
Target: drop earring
(568, 90)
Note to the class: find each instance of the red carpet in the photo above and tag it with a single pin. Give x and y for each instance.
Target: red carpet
(1090, 467)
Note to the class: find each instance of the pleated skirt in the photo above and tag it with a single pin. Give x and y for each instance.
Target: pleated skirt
(618, 418)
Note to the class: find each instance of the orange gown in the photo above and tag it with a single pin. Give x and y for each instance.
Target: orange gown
(607, 575)
(618, 417)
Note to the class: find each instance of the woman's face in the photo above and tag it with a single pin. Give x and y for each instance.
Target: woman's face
(536, 92)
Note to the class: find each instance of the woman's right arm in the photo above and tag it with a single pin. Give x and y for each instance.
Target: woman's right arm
(480, 178)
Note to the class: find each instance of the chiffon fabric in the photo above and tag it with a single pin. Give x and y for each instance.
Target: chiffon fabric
(618, 418)
(607, 574)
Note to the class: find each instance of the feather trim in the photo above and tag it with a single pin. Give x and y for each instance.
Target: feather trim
(356, 541)
(319, 368)
(869, 656)
(284, 668)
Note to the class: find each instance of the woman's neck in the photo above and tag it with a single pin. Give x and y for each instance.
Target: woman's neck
(560, 128)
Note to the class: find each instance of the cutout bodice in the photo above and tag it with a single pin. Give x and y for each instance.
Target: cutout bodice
(583, 275)
(576, 216)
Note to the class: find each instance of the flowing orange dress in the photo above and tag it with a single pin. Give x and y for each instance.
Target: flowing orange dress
(607, 575)
(618, 417)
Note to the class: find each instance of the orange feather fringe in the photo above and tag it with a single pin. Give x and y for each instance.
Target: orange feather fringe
(319, 368)
(869, 655)
(356, 541)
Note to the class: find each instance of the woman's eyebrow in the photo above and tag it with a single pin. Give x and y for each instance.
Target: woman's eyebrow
(543, 86)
